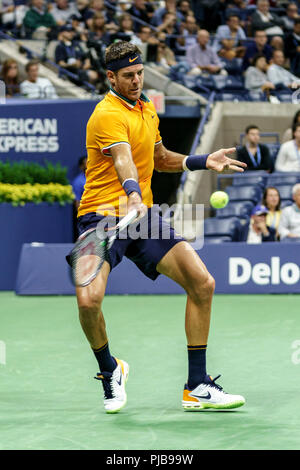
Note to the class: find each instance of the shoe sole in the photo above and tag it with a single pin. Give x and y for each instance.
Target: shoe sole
(216, 406)
(126, 374)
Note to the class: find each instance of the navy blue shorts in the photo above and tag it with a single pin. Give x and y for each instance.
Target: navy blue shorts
(145, 244)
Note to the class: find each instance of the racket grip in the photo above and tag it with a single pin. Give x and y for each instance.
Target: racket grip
(130, 217)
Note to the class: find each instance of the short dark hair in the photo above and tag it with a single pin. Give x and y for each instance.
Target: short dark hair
(295, 127)
(257, 57)
(120, 50)
(249, 128)
(31, 63)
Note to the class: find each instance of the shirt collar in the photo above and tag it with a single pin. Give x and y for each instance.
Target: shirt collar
(129, 103)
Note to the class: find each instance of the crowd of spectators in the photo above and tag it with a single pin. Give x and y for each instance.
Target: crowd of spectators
(207, 38)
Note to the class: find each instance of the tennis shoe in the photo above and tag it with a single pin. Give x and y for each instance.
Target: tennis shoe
(114, 387)
(208, 394)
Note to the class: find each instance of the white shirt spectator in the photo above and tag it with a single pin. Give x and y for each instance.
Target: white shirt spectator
(42, 88)
(277, 74)
(288, 158)
(62, 11)
(289, 221)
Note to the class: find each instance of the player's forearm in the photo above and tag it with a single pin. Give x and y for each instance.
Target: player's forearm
(126, 170)
(172, 162)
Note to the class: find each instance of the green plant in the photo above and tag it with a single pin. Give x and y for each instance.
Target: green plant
(30, 172)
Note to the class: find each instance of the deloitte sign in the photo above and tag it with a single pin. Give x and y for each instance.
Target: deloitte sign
(242, 271)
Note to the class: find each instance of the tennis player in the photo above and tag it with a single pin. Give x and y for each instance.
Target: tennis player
(124, 146)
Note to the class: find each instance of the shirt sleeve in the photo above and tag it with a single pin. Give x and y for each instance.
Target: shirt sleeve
(109, 129)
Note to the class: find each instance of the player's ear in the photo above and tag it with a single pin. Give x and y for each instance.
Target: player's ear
(111, 77)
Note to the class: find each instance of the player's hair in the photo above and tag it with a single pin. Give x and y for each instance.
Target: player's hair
(249, 128)
(31, 63)
(264, 199)
(120, 50)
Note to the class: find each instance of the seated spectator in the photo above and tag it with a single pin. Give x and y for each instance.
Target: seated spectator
(171, 28)
(262, 19)
(126, 30)
(228, 39)
(85, 12)
(98, 6)
(279, 76)
(79, 182)
(170, 7)
(202, 57)
(289, 226)
(288, 158)
(10, 76)
(189, 31)
(141, 10)
(184, 9)
(62, 11)
(256, 78)
(272, 201)
(165, 56)
(259, 231)
(70, 56)
(292, 48)
(290, 16)
(36, 87)
(288, 134)
(8, 14)
(38, 22)
(259, 46)
(97, 30)
(253, 153)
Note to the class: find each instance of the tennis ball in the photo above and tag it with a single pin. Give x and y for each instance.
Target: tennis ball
(219, 199)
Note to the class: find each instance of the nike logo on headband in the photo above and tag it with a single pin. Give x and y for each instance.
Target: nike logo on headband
(132, 60)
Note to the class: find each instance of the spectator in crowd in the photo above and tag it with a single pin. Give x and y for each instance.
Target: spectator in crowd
(141, 10)
(79, 182)
(264, 20)
(289, 226)
(165, 56)
(171, 28)
(229, 37)
(253, 153)
(98, 6)
(144, 36)
(292, 48)
(256, 78)
(10, 76)
(38, 22)
(97, 30)
(85, 12)
(170, 7)
(290, 17)
(279, 76)
(35, 87)
(202, 57)
(288, 134)
(259, 46)
(272, 201)
(70, 55)
(126, 30)
(80, 30)
(62, 11)
(189, 31)
(288, 158)
(259, 231)
(7, 14)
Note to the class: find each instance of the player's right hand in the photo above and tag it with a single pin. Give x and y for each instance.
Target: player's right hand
(135, 202)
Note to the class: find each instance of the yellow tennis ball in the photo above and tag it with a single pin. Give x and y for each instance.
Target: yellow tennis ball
(219, 199)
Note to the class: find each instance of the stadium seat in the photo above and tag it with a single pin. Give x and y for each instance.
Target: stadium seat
(215, 227)
(215, 240)
(286, 192)
(244, 193)
(286, 203)
(236, 209)
(249, 180)
(282, 179)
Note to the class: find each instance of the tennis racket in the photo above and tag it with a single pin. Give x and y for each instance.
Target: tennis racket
(92, 249)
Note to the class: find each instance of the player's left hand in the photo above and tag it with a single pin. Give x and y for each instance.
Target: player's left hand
(220, 161)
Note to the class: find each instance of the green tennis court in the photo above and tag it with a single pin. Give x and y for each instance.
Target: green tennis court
(49, 399)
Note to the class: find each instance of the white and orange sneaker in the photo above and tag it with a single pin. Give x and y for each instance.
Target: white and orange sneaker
(114, 387)
(209, 395)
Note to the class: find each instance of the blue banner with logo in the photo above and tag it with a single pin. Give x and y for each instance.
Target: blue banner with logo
(45, 130)
(238, 268)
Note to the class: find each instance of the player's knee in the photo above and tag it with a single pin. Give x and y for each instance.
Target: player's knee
(90, 303)
(202, 290)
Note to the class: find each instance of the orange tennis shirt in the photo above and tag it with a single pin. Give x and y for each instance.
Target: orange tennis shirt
(117, 120)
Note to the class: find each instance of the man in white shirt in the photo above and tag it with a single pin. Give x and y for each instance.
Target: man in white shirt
(36, 87)
(278, 75)
(288, 158)
(289, 225)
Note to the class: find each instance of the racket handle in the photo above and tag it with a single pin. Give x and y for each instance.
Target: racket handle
(130, 217)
